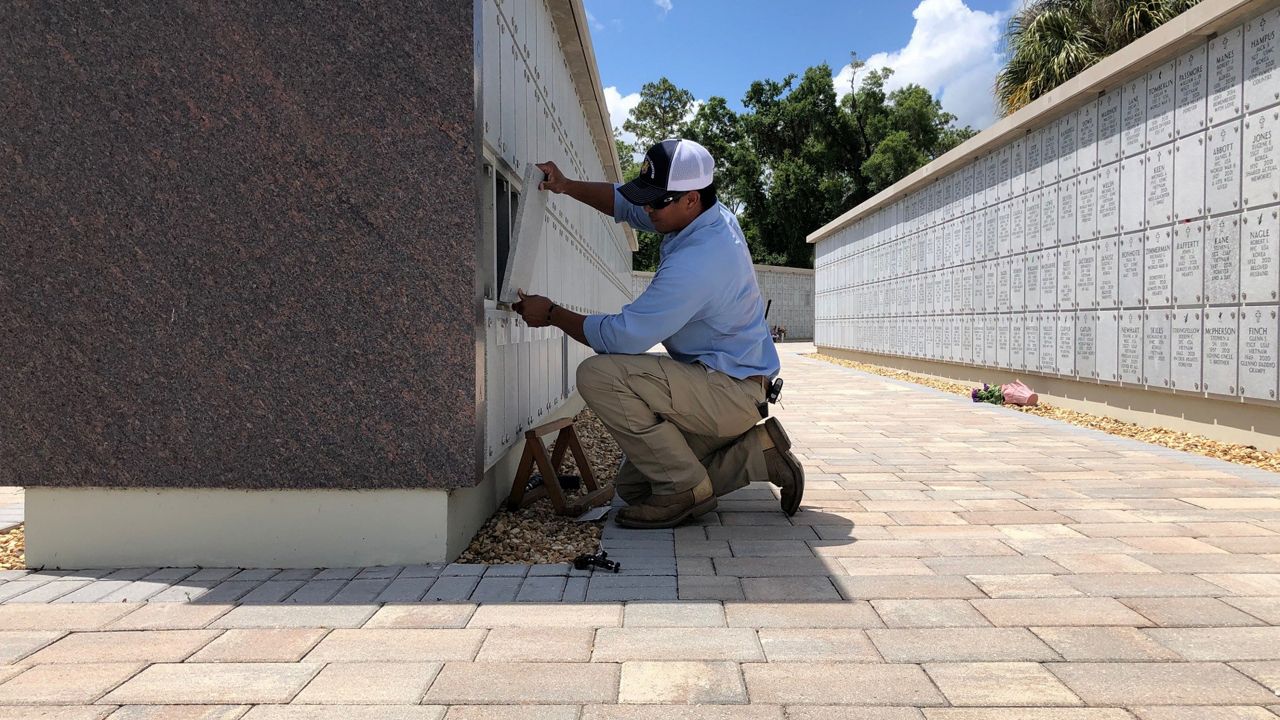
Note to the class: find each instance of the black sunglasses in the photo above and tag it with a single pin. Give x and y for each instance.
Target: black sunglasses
(666, 200)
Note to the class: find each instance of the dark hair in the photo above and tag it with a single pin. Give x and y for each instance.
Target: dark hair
(707, 196)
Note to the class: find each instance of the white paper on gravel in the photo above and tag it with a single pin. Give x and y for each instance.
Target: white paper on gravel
(526, 243)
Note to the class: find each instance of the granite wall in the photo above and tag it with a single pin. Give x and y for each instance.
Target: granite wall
(237, 244)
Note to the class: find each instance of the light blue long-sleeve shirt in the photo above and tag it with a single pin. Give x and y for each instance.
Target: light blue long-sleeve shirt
(703, 304)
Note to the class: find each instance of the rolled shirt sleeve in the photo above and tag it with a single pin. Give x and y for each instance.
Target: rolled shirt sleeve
(673, 298)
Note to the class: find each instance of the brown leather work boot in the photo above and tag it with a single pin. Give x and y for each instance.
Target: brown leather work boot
(664, 511)
(785, 470)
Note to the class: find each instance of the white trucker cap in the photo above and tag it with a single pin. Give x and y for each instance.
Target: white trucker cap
(670, 166)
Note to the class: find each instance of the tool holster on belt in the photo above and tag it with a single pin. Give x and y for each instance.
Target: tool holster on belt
(771, 393)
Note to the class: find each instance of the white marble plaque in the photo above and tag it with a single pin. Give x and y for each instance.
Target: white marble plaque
(1017, 328)
(1185, 336)
(1155, 364)
(1133, 195)
(1222, 161)
(956, 324)
(1004, 267)
(1159, 162)
(1004, 173)
(1033, 147)
(1086, 345)
(966, 339)
(979, 340)
(1108, 346)
(1109, 272)
(1131, 350)
(992, 284)
(1087, 205)
(1003, 229)
(1222, 260)
(1109, 200)
(1049, 215)
(1017, 225)
(1193, 88)
(1131, 264)
(1017, 282)
(966, 188)
(1261, 66)
(1048, 342)
(1049, 153)
(1261, 184)
(1260, 256)
(1031, 341)
(1002, 341)
(1048, 279)
(1065, 363)
(1067, 277)
(1031, 220)
(1068, 144)
(993, 178)
(1221, 349)
(1133, 123)
(1018, 167)
(991, 230)
(1259, 328)
(966, 288)
(1067, 211)
(1188, 263)
(1188, 171)
(1226, 75)
(1087, 137)
(1032, 284)
(1161, 88)
(1110, 133)
(1158, 269)
(967, 226)
(1087, 274)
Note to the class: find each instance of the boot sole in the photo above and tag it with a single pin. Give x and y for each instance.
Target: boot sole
(782, 443)
(701, 508)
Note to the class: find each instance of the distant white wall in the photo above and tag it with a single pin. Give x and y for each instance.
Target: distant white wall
(790, 289)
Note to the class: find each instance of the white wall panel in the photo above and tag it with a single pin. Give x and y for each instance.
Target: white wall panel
(1157, 271)
(1192, 91)
(1185, 336)
(1109, 200)
(1261, 162)
(1222, 260)
(1133, 195)
(1188, 263)
(1087, 275)
(1226, 75)
(1065, 363)
(1262, 61)
(1087, 205)
(1048, 342)
(1159, 189)
(1222, 193)
(1086, 345)
(1188, 188)
(1031, 342)
(1110, 127)
(1109, 272)
(1132, 261)
(1108, 350)
(1221, 351)
(1131, 347)
(1258, 333)
(1156, 345)
(1161, 88)
(1133, 137)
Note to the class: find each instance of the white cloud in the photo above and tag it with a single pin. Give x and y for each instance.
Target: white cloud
(593, 22)
(620, 106)
(664, 4)
(953, 52)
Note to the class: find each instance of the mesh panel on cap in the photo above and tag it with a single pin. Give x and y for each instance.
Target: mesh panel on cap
(691, 167)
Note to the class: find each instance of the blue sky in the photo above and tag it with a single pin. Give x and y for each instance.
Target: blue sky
(718, 47)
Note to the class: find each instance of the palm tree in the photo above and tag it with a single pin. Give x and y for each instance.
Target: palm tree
(1050, 41)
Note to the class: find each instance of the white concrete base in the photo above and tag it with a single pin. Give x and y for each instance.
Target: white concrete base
(157, 527)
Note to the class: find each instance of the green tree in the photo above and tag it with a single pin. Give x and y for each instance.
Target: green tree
(660, 114)
(1048, 42)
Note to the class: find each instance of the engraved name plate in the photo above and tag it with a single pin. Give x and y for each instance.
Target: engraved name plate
(1048, 279)
(1002, 341)
(1033, 280)
(966, 339)
(1031, 342)
(1261, 183)
(1049, 153)
(966, 188)
(1158, 270)
(1261, 58)
(1193, 86)
(1067, 211)
(1087, 274)
(1065, 363)
(1003, 229)
(1185, 336)
(1109, 200)
(967, 225)
(1109, 272)
(991, 233)
(1087, 137)
(1004, 172)
(993, 179)
(1087, 205)
(1086, 345)
(1108, 346)
(1031, 220)
(1259, 328)
(1226, 75)
(1018, 166)
(979, 340)
(1017, 282)
(1155, 364)
(1048, 342)
(1188, 169)
(1017, 327)
(1133, 123)
(1222, 259)
(1161, 86)
(1222, 192)
(1133, 194)
(1032, 173)
(1110, 109)
(992, 270)
(1067, 277)
(1159, 186)
(1049, 216)
(1188, 263)
(1260, 256)
(1131, 350)
(1002, 285)
(1131, 265)
(1067, 145)
(1017, 226)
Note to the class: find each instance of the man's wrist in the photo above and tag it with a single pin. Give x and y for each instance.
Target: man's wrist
(551, 314)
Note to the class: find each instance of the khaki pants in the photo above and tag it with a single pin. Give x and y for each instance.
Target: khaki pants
(676, 423)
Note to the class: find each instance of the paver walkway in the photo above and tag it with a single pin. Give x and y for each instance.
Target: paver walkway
(951, 562)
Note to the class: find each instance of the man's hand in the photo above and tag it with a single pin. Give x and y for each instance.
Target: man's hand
(556, 182)
(535, 310)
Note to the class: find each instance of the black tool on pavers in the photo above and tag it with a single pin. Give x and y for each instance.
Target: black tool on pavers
(569, 483)
(598, 560)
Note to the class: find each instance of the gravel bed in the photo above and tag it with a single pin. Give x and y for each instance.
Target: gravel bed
(1198, 444)
(536, 534)
(13, 547)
